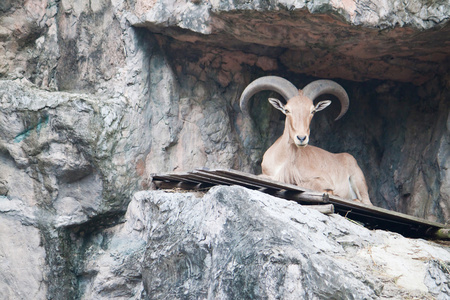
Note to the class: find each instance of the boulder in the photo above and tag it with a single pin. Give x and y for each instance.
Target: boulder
(235, 243)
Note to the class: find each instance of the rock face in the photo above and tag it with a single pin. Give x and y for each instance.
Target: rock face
(314, 36)
(95, 96)
(233, 243)
(175, 86)
(247, 245)
(22, 261)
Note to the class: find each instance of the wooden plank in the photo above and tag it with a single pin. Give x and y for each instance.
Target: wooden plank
(378, 211)
(326, 209)
(181, 185)
(237, 177)
(231, 180)
(180, 177)
(377, 217)
(299, 197)
(271, 187)
(217, 180)
(443, 233)
(193, 177)
(385, 222)
(221, 179)
(314, 197)
(239, 181)
(266, 182)
(337, 200)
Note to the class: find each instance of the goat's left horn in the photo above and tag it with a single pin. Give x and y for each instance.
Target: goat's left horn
(321, 87)
(273, 83)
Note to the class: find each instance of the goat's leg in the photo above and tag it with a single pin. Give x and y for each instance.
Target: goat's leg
(264, 176)
(318, 184)
(359, 187)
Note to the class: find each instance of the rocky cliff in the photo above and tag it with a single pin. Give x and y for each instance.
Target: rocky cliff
(95, 96)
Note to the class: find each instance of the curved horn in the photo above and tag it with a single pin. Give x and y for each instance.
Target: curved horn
(320, 87)
(273, 83)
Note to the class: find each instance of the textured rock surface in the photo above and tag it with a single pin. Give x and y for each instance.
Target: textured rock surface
(234, 243)
(97, 95)
(58, 146)
(176, 100)
(385, 41)
(22, 256)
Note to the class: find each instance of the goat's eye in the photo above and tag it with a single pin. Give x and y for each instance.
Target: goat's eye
(287, 111)
(313, 111)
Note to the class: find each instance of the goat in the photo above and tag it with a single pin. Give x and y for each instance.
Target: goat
(290, 159)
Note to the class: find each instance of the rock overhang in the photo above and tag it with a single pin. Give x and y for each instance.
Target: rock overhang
(406, 42)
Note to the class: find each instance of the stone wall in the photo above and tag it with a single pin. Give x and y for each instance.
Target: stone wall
(95, 96)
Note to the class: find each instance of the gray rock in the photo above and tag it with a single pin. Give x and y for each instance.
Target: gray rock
(22, 259)
(199, 17)
(437, 279)
(236, 243)
(54, 141)
(95, 96)
(315, 36)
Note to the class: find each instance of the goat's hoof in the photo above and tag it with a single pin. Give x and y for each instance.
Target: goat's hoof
(328, 191)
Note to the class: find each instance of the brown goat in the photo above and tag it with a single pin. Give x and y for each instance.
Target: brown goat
(290, 159)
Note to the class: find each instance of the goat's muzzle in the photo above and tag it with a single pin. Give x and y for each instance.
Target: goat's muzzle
(301, 141)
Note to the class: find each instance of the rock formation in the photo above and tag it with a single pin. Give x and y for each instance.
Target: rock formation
(233, 243)
(95, 96)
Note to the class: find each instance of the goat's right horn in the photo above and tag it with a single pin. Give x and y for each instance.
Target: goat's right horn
(323, 86)
(273, 83)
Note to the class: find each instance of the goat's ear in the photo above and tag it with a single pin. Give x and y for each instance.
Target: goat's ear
(322, 105)
(278, 105)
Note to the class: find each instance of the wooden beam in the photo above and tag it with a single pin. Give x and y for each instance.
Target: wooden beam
(372, 216)
(326, 209)
(442, 234)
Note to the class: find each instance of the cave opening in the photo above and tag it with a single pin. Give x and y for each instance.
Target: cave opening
(396, 129)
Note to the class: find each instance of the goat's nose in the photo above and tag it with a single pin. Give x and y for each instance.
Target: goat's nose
(301, 138)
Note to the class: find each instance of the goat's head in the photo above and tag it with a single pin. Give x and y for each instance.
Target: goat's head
(299, 109)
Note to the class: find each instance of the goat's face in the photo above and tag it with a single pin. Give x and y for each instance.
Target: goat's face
(299, 112)
(299, 109)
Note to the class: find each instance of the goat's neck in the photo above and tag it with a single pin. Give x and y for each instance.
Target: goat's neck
(293, 152)
(293, 155)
